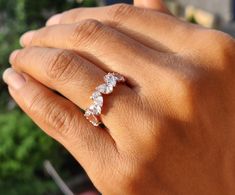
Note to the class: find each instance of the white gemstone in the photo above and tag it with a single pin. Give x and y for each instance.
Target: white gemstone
(91, 117)
(95, 109)
(95, 95)
(97, 98)
(99, 101)
(105, 88)
(110, 79)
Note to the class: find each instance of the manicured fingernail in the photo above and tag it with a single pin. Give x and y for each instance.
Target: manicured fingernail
(13, 56)
(54, 20)
(26, 38)
(13, 79)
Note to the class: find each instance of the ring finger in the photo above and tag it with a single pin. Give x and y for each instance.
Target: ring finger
(75, 78)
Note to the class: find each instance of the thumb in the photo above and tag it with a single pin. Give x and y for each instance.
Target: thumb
(158, 5)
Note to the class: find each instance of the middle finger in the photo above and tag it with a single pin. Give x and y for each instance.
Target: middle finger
(157, 30)
(104, 46)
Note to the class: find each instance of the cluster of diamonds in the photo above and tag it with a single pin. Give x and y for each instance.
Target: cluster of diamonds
(93, 112)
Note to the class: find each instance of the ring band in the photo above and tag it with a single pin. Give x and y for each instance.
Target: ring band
(92, 113)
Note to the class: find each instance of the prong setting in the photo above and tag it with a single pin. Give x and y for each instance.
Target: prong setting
(92, 113)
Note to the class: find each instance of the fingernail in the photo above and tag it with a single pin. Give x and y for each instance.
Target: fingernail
(13, 79)
(13, 56)
(54, 20)
(26, 38)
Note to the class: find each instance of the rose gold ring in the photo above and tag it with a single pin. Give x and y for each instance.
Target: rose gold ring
(93, 112)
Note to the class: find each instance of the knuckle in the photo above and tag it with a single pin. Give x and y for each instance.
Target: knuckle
(86, 32)
(61, 67)
(221, 47)
(220, 39)
(23, 54)
(36, 101)
(119, 12)
(39, 37)
(57, 118)
(216, 35)
(60, 120)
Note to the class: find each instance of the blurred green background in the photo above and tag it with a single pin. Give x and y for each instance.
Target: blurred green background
(23, 147)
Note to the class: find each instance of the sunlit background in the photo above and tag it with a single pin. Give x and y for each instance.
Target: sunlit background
(31, 162)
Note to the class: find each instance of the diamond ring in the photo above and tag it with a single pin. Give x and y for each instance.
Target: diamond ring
(92, 113)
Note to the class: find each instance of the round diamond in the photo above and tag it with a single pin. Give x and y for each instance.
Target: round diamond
(97, 98)
(110, 79)
(105, 88)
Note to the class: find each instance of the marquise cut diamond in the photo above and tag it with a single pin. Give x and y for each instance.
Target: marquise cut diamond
(91, 117)
(105, 88)
(97, 98)
(95, 109)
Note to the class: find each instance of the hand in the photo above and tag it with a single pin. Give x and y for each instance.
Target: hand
(170, 130)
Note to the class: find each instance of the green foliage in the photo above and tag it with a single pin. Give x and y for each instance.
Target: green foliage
(16, 17)
(35, 187)
(23, 146)
(17, 131)
(23, 149)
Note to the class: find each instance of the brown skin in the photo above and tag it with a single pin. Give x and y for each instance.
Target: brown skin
(171, 130)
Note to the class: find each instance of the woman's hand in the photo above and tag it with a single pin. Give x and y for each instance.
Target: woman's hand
(170, 130)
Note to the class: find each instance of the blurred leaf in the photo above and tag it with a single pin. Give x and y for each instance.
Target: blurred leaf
(23, 146)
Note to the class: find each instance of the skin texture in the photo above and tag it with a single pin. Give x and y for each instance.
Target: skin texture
(169, 130)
